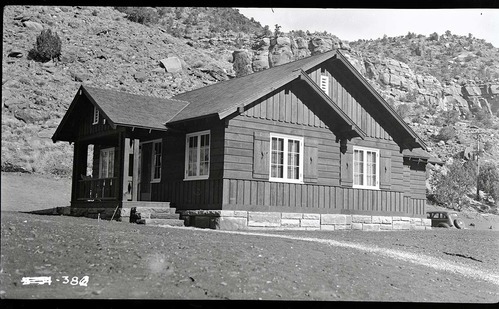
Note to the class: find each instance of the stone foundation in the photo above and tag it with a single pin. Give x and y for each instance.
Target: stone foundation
(239, 220)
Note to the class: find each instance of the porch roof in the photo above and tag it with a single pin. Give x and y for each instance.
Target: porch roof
(132, 110)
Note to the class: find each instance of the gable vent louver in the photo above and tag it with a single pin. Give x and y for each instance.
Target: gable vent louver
(324, 84)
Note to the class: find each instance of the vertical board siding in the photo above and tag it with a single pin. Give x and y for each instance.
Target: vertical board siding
(194, 194)
(86, 127)
(349, 104)
(318, 198)
(283, 106)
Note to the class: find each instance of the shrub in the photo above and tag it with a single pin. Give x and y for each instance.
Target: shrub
(482, 118)
(403, 110)
(48, 46)
(488, 180)
(141, 15)
(446, 133)
(451, 187)
(450, 116)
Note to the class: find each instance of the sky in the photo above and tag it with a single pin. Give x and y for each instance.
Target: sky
(354, 24)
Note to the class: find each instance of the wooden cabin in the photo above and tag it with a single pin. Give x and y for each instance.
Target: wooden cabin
(305, 141)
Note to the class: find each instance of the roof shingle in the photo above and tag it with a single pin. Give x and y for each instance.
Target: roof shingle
(226, 95)
(134, 110)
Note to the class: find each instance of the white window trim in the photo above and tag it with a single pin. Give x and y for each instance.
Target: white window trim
(156, 141)
(186, 166)
(364, 149)
(108, 150)
(285, 163)
(96, 116)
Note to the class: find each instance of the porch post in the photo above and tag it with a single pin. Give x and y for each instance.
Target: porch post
(121, 169)
(135, 179)
(126, 166)
(79, 167)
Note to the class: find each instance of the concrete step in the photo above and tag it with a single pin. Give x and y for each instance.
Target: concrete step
(130, 204)
(153, 222)
(164, 216)
(150, 212)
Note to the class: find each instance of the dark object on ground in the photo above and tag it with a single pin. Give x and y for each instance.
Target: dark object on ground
(445, 219)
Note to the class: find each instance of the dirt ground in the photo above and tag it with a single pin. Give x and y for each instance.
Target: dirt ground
(27, 192)
(129, 261)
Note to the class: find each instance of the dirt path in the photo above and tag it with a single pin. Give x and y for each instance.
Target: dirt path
(419, 259)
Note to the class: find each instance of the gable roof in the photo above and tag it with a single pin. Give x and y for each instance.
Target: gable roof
(225, 97)
(124, 109)
(411, 138)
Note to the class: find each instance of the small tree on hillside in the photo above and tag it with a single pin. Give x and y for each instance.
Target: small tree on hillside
(488, 180)
(48, 46)
(451, 187)
(277, 31)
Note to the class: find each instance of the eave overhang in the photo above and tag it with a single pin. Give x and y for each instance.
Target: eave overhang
(412, 140)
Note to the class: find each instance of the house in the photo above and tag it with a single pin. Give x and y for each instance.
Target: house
(308, 144)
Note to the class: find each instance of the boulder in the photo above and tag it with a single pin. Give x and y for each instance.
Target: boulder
(140, 76)
(171, 64)
(319, 45)
(344, 45)
(33, 25)
(301, 43)
(472, 91)
(30, 116)
(280, 51)
(242, 62)
(261, 60)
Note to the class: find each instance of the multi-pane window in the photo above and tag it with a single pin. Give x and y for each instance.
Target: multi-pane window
(286, 158)
(156, 160)
(95, 119)
(324, 83)
(197, 155)
(106, 163)
(365, 168)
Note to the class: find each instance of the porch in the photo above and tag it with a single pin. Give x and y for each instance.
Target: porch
(114, 170)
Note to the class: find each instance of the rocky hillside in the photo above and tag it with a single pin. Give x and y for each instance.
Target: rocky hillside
(424, 78)
(100, 47)
(467, 102)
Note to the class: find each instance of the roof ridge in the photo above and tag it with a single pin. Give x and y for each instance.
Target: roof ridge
(259, 72)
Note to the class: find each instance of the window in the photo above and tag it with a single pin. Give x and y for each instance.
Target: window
(106, 163)
(96, 116)
(197, 155)
(286, 158)
(325, 83)
(156, 161)
(365, 168)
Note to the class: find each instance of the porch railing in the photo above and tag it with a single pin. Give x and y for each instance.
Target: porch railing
(97, 189)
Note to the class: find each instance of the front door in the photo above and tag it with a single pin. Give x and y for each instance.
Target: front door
(145, 172)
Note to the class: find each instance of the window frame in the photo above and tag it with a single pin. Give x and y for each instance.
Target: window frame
(96, 116)
(153, 162)
(364, 171)
(285, 159)
(198, 155)
(108, 150)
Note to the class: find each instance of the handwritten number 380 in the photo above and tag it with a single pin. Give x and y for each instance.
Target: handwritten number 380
(74, 280)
